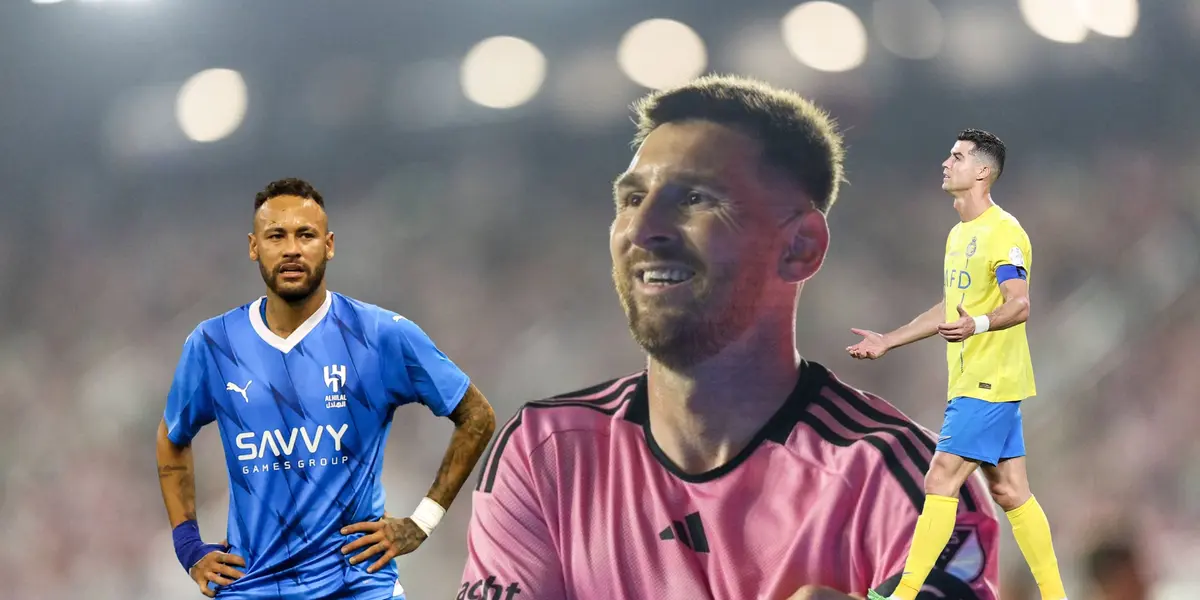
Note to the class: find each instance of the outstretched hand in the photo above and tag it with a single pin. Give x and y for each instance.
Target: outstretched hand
(393, 537)
(957, 331)
(872, 345)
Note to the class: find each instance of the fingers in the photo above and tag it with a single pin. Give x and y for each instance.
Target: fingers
(219, 579)
(862, 332)
(229, 572)
(363, 527)
(962, 312)
(369, 552)
(231, 559)
(362, 542)
(953, 336)
(388, 556)
(204, 588)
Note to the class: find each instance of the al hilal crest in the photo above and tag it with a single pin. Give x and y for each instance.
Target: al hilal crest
(971, 248)
(335, 378)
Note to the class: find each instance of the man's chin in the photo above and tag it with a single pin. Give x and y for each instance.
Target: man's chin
(294, 292)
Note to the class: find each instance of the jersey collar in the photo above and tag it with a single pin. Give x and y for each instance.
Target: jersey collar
(285, 345)
(812, 378)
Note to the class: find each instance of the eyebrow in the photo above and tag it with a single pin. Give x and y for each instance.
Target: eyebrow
(280, 227)
(701, 179)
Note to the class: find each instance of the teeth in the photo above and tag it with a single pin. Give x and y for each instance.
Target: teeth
(666, 276)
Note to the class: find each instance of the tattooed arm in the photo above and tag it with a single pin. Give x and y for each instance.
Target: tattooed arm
(206, 563)
(176, 477)
(474, 422)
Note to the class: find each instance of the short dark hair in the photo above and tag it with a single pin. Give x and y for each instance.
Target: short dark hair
(1108, 557)
(988, 144)
(290, 186)
(798, 138)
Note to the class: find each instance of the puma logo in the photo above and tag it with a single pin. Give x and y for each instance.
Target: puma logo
(232, 387)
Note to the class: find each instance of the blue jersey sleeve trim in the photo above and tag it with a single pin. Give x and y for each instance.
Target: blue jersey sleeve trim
(450, 406)
(425, 372)
(189, 407)
(1006, 272)
(175, 435)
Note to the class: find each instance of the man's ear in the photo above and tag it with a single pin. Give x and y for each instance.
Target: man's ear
(808, 242)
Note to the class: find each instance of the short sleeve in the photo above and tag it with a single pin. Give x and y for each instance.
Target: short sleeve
(509, 545)
(415, 369)
(1010, 247)
(189, 403)
(968, 568)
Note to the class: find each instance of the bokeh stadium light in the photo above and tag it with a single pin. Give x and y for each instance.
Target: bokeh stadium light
(502, 72)
(911, 29)
(825, 36)
(661, 53)
(211, 104)
(1112, 18)
(1056, 20)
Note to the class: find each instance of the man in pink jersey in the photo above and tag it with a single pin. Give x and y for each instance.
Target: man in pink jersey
(731, 468)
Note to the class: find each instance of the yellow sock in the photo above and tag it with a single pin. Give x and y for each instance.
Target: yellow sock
(934, 528)
(1032, 531)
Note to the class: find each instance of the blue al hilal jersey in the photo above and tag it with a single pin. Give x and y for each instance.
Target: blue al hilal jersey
(304, 421)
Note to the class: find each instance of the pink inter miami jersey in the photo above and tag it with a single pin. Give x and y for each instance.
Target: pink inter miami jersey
(576, 501)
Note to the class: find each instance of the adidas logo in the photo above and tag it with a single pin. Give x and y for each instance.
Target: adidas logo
(690, 532)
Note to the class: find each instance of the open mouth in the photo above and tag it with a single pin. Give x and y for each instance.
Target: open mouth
(291, 271)
(662, 277)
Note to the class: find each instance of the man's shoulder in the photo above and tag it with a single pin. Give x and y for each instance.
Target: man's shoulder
(217, 326)
(369, 322)
(861, 417)
(1008, 224)
(592, 410)
(348, 308)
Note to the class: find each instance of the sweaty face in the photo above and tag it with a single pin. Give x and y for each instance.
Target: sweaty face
(291, 243)
(961, 169)
(695, 241)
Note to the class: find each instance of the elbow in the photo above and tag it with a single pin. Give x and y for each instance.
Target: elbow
(1023, 312)
(486, 421)
(477, 417)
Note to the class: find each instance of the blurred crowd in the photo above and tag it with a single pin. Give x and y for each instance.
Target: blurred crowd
(520, 297)
(495, 242)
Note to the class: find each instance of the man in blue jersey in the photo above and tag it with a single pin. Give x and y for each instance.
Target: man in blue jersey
(302, 384)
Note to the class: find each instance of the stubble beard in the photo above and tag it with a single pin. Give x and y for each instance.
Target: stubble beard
(293, 293)
(681, 336)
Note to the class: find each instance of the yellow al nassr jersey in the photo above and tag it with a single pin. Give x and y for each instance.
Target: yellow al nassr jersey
(994, 366)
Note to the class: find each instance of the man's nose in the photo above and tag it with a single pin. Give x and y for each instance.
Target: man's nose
(656, 222)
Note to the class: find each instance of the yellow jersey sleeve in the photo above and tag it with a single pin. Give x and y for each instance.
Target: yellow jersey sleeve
(1009, 245)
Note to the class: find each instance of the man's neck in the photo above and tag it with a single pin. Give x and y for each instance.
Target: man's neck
(972, 203)
(285, 317)
(703, 416)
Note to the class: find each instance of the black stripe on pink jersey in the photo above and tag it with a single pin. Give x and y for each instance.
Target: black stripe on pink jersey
(606, 398)
(878, 421)
(777, 429)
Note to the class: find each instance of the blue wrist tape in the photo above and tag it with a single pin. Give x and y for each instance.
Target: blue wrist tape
(189, 547)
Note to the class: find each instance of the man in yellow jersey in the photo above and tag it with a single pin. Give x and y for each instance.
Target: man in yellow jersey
(986, 274)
